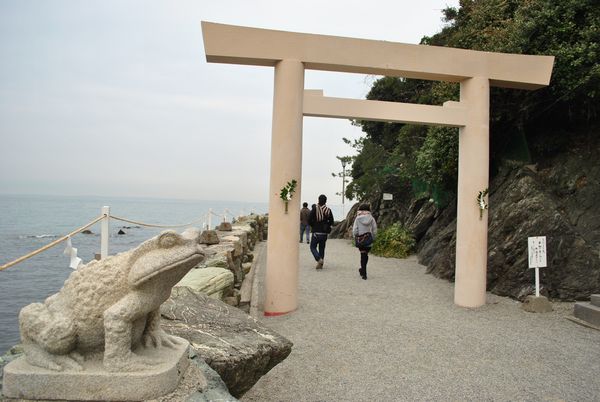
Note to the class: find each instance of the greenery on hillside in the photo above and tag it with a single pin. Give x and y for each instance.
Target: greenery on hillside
(394, 241)
(524, 125)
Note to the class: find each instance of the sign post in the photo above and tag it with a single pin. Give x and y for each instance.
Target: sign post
(537, 258)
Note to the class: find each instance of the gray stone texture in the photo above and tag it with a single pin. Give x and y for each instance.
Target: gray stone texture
(234, 344)
(589, 311)
(198, 383)
(521, 207)
(209, 237)
(224, 227)
(535, 304)
(213, 282)
(94, 382)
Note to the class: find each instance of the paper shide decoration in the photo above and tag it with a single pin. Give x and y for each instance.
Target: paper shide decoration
(481, 202)
(71, 252)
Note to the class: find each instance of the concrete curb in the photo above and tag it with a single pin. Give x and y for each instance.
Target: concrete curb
(258, 266)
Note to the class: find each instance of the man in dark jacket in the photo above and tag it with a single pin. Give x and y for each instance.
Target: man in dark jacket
(320, 220)
(304, 226)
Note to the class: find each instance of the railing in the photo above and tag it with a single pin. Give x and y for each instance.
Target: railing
(105, 217)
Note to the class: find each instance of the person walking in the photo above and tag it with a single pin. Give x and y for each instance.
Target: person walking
(304, 226)
(320, 220)
(364, 231)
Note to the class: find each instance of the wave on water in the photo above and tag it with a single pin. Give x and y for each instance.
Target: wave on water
(42, 236)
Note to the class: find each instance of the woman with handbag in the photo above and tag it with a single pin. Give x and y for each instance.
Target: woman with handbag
(364, 231)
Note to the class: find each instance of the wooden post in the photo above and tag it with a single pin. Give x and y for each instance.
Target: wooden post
(104, 232)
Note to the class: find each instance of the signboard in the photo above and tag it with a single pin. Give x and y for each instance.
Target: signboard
(537, 251)
(388, 196)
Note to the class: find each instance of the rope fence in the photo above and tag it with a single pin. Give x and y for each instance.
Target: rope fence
(150, 225)
(52, 244)
(105, 217)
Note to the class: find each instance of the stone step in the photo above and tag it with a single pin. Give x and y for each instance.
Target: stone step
(588, 312)
(595, 300)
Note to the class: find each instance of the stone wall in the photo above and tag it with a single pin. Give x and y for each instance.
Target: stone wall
(230, 253)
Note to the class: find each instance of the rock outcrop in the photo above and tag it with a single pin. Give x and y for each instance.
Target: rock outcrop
(556, 200)
(234, 344)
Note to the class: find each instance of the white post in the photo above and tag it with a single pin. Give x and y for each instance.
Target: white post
(473, 175)
(537, 282)
(209, 218)
(104, 232)
(283, 253)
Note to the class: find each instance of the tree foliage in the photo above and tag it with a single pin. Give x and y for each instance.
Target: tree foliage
(524, 125)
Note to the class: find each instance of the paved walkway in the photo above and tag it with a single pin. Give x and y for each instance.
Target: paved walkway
(399, 337)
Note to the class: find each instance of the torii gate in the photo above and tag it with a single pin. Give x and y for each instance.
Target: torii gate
(291, 53)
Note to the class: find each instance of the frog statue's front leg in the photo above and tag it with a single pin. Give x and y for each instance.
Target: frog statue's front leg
(118, 333)
(154, 336)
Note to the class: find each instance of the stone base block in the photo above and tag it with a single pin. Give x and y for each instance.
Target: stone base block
(94, 383)
(535, 304)
(587, 312)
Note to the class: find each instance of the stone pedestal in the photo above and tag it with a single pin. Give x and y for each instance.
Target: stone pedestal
(94, 383)
(535, 304)
(589, 311)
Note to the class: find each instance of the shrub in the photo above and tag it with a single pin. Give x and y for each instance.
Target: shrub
(394, 241)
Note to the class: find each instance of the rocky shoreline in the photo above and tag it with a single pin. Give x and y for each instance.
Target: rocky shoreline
(229, 350)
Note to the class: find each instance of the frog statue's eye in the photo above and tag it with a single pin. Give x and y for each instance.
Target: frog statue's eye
(168, 240)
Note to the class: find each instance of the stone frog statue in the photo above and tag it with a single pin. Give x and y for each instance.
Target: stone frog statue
(110, 306)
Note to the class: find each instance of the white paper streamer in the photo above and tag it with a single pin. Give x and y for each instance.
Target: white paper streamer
(72, 253)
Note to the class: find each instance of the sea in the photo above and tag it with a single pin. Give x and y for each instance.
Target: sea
(28, 222)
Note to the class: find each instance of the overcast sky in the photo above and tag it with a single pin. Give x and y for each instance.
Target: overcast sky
(115, 98)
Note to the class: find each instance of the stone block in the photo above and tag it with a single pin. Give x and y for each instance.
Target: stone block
(588, 312)
(237, 244)
(212, 281)
(224, 227)
(209, 237)
(94, 383)
(595, 300)
(535, 304)
(234, 344)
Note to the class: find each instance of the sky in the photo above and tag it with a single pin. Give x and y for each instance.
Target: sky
(115, 97)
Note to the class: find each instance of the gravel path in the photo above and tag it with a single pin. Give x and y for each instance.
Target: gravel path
(399, 337)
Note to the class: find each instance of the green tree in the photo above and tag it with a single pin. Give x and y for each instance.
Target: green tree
(523, 124)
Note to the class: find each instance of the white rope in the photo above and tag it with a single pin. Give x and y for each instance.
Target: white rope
(81, 229)
(52, 244)
(156, 226)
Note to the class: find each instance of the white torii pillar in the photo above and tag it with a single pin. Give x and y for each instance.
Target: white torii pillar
(290, 53)
(286, 164)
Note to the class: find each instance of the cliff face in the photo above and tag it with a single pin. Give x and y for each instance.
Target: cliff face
(558, 198)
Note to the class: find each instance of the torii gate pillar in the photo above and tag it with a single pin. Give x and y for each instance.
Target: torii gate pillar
(281, 281)
(473, 176)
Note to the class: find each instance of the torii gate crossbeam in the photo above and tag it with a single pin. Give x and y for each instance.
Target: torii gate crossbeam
(291, 53)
